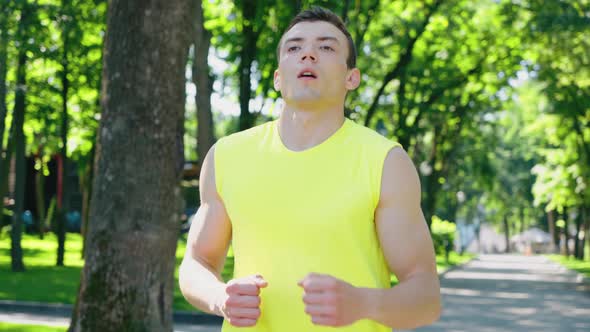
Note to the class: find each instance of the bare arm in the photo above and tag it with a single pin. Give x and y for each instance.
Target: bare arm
(200, 281)
(408, 249)
(208, 241)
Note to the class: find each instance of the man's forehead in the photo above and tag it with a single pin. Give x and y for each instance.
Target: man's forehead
(314, 30)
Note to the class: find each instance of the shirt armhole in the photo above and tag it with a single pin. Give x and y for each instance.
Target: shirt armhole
(378, 181)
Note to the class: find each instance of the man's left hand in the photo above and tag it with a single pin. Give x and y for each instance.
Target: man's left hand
(331, 301)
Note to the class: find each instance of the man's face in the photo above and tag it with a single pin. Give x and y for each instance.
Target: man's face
(312, 67)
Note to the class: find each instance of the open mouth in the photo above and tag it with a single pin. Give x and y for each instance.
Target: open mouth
(307, 74)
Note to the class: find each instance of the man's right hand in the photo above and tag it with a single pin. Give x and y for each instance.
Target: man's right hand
(241, 305)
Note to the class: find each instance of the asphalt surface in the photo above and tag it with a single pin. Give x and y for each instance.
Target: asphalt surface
(513, 293)
(492, 293)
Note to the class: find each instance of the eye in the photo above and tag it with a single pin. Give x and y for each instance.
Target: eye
(292, 48)
(326, 48)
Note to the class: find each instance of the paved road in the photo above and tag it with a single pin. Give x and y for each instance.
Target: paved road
(50, 320)
(493, 293)
(496, 293)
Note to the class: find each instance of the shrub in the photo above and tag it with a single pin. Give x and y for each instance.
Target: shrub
(443, 234)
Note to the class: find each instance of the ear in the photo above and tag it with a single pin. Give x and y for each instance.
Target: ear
(353, 79)
(277, 80)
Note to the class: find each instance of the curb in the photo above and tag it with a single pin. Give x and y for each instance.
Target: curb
(65, 310)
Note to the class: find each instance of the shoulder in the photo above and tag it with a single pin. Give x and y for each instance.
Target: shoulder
(400, 179)
(370, 136)
(246, 137)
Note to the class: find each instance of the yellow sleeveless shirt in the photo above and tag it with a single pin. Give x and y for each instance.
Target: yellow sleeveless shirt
(293, 213)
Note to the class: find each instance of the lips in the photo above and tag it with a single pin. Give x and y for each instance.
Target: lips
(307, 73)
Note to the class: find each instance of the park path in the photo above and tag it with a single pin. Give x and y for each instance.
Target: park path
(513, 293)
(58, 315)
(63, 321)
(492, 293)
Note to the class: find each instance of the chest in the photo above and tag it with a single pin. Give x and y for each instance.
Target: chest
(290, 196)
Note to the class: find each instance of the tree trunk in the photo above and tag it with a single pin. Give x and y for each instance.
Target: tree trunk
(39, 197)
(6, 160)
(86, 188)
(5, 154)
(578, 245)
(587, 218)
(506, 233)
(247, 54)
(128, 277)
(63, 204)
(552, 232)
(430, 196)
(522, 221)
(566, 233)
(3, 62)
(19, 116)
(345, 7)
(204, 84)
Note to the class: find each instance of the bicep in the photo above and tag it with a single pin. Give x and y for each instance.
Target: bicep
(402, 230)
(210, 232)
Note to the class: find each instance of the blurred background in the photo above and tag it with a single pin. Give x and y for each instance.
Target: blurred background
(490, 98)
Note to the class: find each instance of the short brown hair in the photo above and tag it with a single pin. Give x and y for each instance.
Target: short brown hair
(315, 14)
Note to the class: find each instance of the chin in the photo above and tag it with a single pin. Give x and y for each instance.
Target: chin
(306, 98)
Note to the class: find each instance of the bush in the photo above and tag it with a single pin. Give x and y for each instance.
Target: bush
(443, 234)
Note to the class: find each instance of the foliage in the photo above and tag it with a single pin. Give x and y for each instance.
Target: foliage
(443, 234)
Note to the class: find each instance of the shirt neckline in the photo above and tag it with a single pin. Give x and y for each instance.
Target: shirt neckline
(318, 147)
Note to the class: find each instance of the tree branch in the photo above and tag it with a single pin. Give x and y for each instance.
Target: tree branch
(402, 63)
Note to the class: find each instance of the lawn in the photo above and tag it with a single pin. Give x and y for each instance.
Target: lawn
(60, 284)
(571, 263)
(30, 328)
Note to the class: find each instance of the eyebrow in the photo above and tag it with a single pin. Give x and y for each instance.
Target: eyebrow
(324, 38)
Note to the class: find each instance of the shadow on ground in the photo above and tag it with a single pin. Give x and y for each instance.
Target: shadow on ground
(512, 293)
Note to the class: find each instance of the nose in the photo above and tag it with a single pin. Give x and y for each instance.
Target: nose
(308, 54)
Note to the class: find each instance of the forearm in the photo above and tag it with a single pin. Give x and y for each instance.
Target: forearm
(201, 287)
(410, 304)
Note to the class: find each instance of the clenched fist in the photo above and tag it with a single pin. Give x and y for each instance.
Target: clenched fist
(241, 306)
(330, 301)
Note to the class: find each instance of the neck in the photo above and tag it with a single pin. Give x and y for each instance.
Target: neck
(302, 128)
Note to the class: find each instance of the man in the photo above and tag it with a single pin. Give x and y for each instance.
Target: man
(319, 210)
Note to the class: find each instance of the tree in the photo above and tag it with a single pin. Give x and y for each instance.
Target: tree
(557, 44)
(19, 138)
(4, 14)
(127, 280)
(204, 83)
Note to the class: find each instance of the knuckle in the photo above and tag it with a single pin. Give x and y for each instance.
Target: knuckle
(230, 289)
(230, 301)
(331, 298)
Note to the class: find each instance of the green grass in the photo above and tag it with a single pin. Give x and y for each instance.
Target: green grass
(454, 259)
(60, 284)
(571, 263)
(30, 328)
